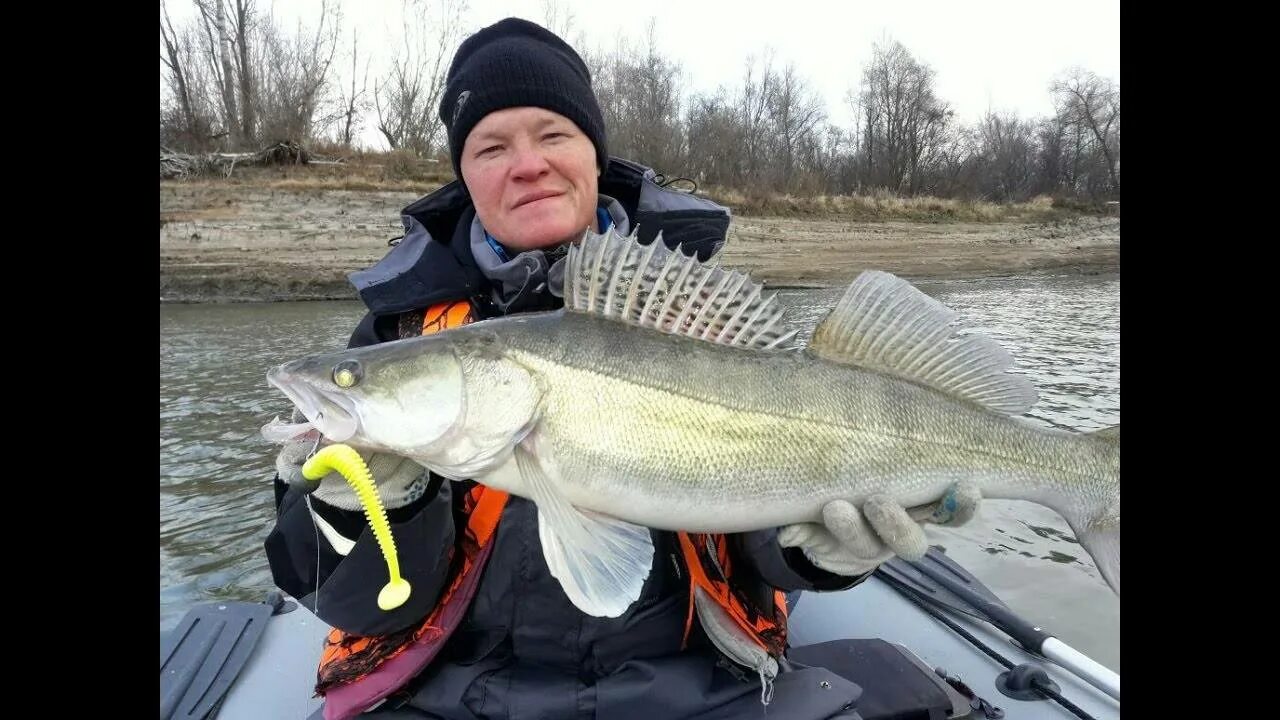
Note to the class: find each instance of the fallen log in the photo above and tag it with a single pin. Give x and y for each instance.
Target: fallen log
(174, 164)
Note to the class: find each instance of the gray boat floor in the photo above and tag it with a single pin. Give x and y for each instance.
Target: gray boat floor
(278, 680)
(873, 609)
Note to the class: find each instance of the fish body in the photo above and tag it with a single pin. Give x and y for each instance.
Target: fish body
(664, 397)
(681, 435)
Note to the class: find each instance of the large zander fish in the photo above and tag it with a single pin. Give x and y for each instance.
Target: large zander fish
(662, 396)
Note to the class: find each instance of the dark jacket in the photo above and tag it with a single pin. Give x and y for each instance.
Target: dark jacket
(523, 650)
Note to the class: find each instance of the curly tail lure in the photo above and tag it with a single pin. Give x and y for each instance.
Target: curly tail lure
(348, 463)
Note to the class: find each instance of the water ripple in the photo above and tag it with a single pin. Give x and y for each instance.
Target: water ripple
(216, 503)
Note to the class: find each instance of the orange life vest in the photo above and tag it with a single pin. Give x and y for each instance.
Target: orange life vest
(710, 566)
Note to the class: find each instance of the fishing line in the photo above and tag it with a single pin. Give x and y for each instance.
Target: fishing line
(315, 594)
(315, 602)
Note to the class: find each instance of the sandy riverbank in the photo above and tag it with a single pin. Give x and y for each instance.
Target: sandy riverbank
(222, 242)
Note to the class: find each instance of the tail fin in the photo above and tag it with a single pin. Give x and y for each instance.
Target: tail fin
(1100, 534)
(1102, 541)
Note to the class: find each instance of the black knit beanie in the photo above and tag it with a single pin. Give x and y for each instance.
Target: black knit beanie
(515, 63)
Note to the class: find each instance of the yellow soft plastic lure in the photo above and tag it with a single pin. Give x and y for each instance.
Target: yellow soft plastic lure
(348, 463)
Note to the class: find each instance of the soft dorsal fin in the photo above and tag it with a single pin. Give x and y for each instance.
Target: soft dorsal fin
(1111, 434)
(886, 324)
(651, 286)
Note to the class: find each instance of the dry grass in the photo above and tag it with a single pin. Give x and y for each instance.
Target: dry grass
(400, 171)
(395, 171)
(884, 206)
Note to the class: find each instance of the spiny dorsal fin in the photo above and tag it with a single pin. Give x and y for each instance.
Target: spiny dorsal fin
(651, 286)
(886, 324)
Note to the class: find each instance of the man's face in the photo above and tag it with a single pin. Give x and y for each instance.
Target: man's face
(532, 175)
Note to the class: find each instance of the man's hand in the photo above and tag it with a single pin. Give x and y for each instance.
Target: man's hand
(851, 542)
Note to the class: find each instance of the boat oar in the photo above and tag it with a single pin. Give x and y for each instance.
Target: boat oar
(939, 580)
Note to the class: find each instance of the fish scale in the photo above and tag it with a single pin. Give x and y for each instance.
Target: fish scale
(664, 396)
(827, 432)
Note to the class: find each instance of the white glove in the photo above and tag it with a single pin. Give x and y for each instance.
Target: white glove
(399, 480)
(851, 542)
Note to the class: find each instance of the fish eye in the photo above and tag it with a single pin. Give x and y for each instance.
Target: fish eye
(347, 373)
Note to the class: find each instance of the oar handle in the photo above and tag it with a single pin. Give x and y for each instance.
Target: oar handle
(1087, 669)
(1030, 637)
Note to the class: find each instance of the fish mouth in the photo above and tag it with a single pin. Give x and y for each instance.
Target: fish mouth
(333, 414)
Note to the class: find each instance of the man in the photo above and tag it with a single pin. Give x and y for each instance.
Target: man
(487, 630)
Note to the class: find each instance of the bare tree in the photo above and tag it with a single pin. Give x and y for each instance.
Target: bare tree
(173, 59)
(243, 76)
(610, 80)
(640, 96)
(648, 122)
(1090, 105)
(905, 123)
(794, 111)
(234, 74)
(190, 100)
(219, 53)
(1007, 154)
(1051, 141)
(753, 105)
(955, 169)
(407, 97)
(293, 74)
(352, 102)
(657, 112)
(557, 18)
(714, 138)
(242, 20)
(766, 135)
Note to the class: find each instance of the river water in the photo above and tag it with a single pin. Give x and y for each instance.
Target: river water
(215, 470)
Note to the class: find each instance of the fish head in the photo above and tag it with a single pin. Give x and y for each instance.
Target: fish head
(397, 397)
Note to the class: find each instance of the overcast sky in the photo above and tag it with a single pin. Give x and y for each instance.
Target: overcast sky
(999, 54)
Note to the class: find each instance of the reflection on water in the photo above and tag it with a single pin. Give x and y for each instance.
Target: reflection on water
(215, 470)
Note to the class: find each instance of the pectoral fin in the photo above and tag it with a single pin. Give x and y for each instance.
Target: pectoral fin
(601, 562)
